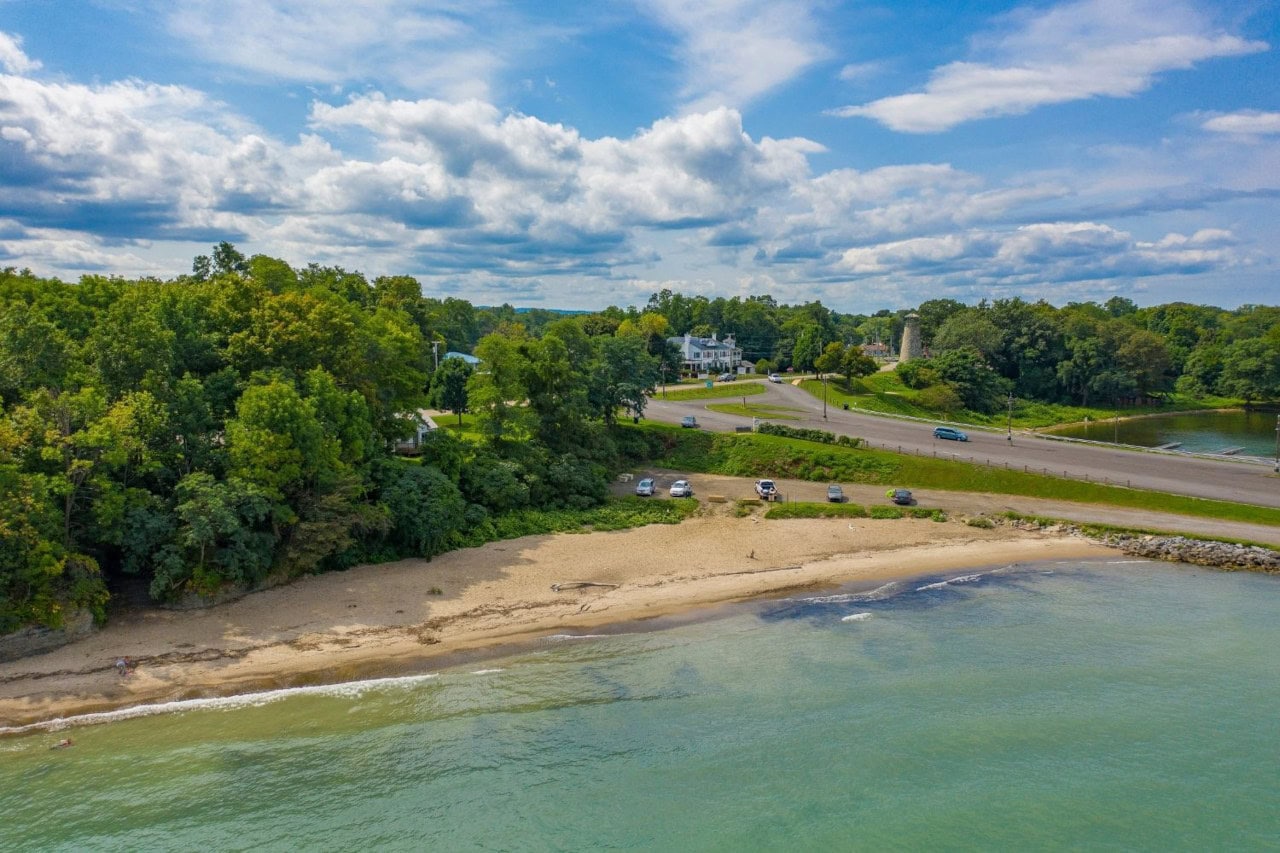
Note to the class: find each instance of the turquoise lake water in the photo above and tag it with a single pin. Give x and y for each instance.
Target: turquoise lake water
(1254, 433)
(1116, 705)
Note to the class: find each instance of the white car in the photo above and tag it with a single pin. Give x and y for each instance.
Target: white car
(773, 377)
(681, 489)
(646, 487)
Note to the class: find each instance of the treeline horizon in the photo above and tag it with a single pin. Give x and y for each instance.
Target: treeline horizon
(236, 426)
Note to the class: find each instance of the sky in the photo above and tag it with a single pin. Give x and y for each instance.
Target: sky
(575, 155)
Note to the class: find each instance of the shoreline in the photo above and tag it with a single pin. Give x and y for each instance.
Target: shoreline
(385, 621)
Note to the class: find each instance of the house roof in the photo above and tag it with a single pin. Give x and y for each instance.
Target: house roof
(469, 359)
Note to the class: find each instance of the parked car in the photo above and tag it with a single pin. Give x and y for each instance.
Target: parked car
(681, 489)
(766, 490)
(646, 487)
(902, 497)
(835, 494)
(949, 433)
(725, 377)
(773, 377)
(689, 422)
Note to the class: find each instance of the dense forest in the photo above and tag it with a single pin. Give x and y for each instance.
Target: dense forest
(237, 426)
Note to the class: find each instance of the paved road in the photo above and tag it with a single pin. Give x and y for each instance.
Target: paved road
(1231, 480)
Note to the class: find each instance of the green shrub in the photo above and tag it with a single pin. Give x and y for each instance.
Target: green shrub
(886, 512)
(805, 509)
(980, 521)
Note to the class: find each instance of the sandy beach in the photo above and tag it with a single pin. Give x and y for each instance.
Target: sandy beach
(393, 618)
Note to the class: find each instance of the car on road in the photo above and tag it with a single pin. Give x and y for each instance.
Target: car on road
(725, 377)
(835, 494)
(681, 489)
(646, 487)
(773, 377)
(689, 422)
(950, 434)
(902, 497)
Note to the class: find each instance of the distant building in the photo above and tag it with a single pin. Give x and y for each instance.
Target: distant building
(469, 359)
(876, 350)
(422, 424)
(708, 355)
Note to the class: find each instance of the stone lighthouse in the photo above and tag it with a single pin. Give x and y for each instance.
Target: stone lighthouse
(911, 345)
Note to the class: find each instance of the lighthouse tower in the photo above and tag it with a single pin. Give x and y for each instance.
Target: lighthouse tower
(911, 344)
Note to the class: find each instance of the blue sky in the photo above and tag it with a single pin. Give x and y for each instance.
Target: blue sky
(581, 154)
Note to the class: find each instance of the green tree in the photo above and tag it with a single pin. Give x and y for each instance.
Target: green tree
(449, 386)
(497, 393)
(809, 346)
(622, 376)
(426, 507)
(831, 359)
(1251, 371)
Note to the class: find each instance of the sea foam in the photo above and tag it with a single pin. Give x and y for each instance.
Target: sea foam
(349, 690)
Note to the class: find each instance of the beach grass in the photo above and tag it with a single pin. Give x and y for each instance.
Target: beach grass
(757, 455)
(718, 391)
(615, 514)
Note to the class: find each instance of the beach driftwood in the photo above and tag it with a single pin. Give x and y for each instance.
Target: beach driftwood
(556, 587)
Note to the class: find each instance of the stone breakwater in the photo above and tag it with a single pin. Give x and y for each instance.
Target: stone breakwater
(1174, 549)
(1222, 555)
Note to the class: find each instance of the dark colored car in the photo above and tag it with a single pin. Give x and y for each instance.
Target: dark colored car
(689, 422)
(835, 494)
(949, 433)
(902, 497)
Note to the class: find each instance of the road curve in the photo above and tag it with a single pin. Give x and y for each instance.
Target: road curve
(1237, 480)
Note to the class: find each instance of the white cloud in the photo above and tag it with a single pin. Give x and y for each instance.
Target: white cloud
(12, 59)
(734, 51)
(1246, 122)
(483, 202)
(450, 48)
(1039, 253)
(1086, 49)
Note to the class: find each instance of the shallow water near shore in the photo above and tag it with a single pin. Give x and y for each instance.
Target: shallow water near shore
(1122, 703)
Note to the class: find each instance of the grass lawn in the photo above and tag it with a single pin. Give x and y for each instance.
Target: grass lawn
(884, 393)
(754, 455)
(720, 390)
(758, 410)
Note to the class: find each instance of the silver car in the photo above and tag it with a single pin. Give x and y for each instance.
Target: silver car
(681, 489)
(646, 487)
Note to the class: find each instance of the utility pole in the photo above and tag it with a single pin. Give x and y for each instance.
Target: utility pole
(1010, 436)
(824, 398)
(1278, 444)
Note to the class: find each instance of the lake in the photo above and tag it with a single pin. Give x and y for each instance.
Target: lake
(1097, 704)
(1199, 432)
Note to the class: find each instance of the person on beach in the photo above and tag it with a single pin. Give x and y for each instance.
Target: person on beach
(124, 666)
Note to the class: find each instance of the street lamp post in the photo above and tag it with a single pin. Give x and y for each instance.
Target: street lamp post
(1278, 444)
(824, 398)
(1010, 435)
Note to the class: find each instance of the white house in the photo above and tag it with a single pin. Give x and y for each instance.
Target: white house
(422, 424)
(708, 355)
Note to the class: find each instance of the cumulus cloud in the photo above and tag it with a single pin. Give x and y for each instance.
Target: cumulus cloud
(125, 176)
(1245, 122)
(12, 59)
(734, 51)
(1074, 51)
(1045, 252)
